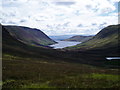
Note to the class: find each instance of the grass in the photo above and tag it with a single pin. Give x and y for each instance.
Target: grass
(97, 43)
(0, 83)
(106, 38)
(41, 73)
(26, 66)
(43, 85)
(105, 76)
(87, 81)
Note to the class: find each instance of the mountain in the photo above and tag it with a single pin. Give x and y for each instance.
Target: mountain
(26, 66)
(60, 37)
(12, 46)
(79, 38)
(106, 40)
(29, 36)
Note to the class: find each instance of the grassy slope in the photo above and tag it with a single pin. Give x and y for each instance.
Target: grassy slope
(39, 73)
(105, 40)
(25, 66)
(79, 38)
(29, 35)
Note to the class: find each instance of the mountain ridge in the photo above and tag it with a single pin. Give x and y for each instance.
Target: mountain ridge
(79, 38)
(30, 36)
(106, 40)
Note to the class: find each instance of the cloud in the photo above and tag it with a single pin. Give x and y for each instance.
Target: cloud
(80, 25)
(66, 24)
(21, 21)
(64, 3)
(61, 16)
(94, 24)
(101, 26)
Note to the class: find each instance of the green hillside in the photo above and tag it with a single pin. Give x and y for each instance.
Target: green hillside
(106, 39)
(79, 38)
(25, 66)
(29, 35)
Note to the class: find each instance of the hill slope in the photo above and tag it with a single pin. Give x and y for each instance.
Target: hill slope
(25, 66)
(106, 39)
(15, 47)
(29, 35)
(12, 46)
(79, 38)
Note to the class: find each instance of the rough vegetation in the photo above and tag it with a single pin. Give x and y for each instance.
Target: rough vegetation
(106, 38)
(25, 66)
(29, 36)
(79, 38)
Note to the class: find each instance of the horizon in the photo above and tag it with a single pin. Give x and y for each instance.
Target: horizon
(53, 35)
(62, 17)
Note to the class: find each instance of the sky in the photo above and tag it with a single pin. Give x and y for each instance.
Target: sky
(60, 17)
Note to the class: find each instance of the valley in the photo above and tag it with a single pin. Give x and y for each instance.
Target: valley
(63, 44)
(28, 66)
(60, 44)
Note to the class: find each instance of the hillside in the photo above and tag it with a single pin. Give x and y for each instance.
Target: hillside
(106, 39)
(79, 38)
(13, 46)
(29, 35)
(25, 66)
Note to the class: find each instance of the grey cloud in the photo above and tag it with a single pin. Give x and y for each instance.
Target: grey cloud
(49, 26)
(11, 22)
(8, 22)
(13, 14)
(101, 26)
(66, 24)
(22, 21)
(64, 3)
(106, 10)
(77, 12)
(94, 24)
(39, 20)
(80, 25)
(10, 4)
(88, 6)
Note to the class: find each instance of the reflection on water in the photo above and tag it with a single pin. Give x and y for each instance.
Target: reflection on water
(110, 58)
(63, 44)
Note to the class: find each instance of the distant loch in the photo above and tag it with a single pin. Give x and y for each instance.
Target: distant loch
(63, 44)
(112, 58)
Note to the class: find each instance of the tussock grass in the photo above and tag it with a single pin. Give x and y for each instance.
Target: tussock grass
(34, 73)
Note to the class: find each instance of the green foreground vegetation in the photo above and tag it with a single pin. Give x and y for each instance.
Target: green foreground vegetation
(20, 72)
(25, 67)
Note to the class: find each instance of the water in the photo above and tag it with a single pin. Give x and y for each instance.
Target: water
(63, 44)
(110, 58)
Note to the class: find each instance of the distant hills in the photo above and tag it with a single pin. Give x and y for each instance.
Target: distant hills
(107, 39)
(13, 46)
(25, 66)
(29, 36)
(61, 37)
(79, 38)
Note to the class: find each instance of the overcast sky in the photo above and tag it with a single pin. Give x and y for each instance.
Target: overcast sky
(60, 17)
